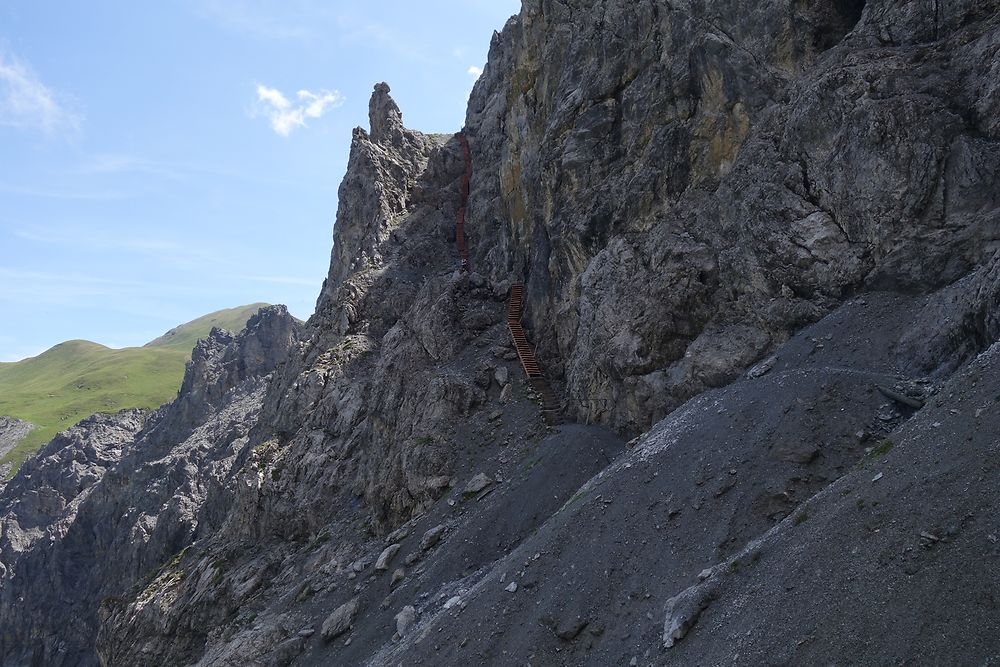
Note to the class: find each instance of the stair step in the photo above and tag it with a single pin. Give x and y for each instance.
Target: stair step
(549, 403)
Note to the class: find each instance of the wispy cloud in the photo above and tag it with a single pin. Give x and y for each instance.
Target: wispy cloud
(475, 72)
(309, 22)
(285, 116)
(282, 280)
(27, 103)
(96, 241)
(162, 253)
(116, 164)
(45, 288)
(56, 193)
(355, 27)
(81, 290)
(255, 18)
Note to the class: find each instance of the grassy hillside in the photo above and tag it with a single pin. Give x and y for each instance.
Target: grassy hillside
(185, 336)
(77, 378)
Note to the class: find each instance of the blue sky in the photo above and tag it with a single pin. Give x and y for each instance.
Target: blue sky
(161, 160)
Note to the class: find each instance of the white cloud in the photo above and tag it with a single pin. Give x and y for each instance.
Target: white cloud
(27, 103)
(476, 72)
(272, 97)
(285, 116)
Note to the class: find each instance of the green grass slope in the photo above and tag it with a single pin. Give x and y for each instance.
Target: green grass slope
(185, 336)
(75, 379)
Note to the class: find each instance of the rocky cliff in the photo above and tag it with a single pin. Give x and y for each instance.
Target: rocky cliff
(105, 505)
(12, 431)
(757, 239)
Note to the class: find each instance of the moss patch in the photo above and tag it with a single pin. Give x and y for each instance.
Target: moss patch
(881, 449)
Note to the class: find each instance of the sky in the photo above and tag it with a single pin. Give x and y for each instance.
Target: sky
(163, 160)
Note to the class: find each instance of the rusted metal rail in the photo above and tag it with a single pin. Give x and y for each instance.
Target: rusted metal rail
(551, 408)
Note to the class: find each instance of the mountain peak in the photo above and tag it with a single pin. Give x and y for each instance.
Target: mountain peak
(384, 116)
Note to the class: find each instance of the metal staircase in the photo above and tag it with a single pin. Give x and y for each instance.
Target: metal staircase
(551, 407)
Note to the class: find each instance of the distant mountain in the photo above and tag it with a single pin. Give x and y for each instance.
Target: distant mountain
(186, 335)
(75, 379)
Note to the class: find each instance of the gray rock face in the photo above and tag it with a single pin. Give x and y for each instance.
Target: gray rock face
(683, 610)
(340, 620)
(477, 484)
(957, 323)
(110, 500)
(431, 537)
(382, 173)
(761, 234)
(729, 175)
(43, 502)
(12, 431)
(405, 620)
(221, 362)
(385, 558)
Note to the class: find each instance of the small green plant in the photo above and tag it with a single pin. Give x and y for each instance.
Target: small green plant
(176, 560)
(111, 601)
(174, 578)
(800, 518)
(306, 591)
(860, 502)
(219, 565)
(881, 449)
(425, 440)
(322, 538)
(734, 566)
(579, 495)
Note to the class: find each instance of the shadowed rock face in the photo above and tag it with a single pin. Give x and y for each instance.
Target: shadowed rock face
(763, 236)
(117, 496)
(727, 175)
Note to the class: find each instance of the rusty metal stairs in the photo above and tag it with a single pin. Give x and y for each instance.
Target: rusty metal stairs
(551, 407)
